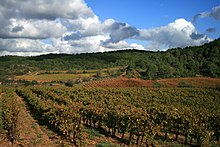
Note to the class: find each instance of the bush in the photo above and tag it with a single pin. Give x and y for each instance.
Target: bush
(217, 87)
(71, 72)
(98, 74)
(70, 83)
(34, 82)
(184, 84)
(158, 85)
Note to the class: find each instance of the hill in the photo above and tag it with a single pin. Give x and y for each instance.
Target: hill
(191, 61)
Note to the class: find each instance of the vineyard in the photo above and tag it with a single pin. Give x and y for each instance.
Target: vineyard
(123, 82)
(132, 116)
(135, 116)
(9, 114)
(49, 76)
(17, 127)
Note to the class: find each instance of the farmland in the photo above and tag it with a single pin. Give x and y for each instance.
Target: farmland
(123, 98)
(44, 76)
(204, 82)
(51, 77)
(114, 111)
(136, 116)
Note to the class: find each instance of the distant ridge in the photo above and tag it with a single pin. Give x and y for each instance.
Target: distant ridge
(190, 61)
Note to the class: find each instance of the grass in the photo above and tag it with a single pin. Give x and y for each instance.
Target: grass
(52, 77)
(39, 135)
(93, 133)
(42, 76)
(104, 144)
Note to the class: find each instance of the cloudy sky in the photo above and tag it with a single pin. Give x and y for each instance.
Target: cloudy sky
(34, 27)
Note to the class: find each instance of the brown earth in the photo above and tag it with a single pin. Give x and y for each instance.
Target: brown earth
(123, 82)
(33, 135)
(194, 81)
(30, 132)
(119, 82)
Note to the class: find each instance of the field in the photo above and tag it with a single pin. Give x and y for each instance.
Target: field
(43, 76)
(196, 81)
(52, 77)
(89, 78)
(174, 82)
(106, 108)
(114, 112)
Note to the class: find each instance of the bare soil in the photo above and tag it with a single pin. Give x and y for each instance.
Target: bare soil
(30, 132)
(123, 82)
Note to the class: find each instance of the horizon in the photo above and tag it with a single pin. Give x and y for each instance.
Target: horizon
(76, 26)
(110, 51)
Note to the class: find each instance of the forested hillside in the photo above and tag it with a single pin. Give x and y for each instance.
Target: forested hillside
(191, 61)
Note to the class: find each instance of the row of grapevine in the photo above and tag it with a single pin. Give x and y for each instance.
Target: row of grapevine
(184, 112)
(65, 120)
(9, 114)
(1, 119)
(138, 115)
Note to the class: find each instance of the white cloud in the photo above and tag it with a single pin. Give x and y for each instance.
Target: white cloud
(33, 29)
(45, 9)
(215, 13)
(180, 33)
(82, 27)
(118, 31)
(81, 23)
(121, 45)
(116, 46)
(40, 18)
(87, 44)
(137, 46)
(73, 27)
(24, 24)
(27, 46)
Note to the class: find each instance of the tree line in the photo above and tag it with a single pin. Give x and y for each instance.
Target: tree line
(190, 61)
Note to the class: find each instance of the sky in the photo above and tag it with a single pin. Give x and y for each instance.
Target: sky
(35, 27)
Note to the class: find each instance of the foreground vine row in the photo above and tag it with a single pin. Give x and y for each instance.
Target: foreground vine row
(9, 111)
(136, 115)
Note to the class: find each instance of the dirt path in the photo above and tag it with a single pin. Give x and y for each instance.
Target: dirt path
(31, 134)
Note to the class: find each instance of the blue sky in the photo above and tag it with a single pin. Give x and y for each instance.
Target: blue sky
(155, 13)
(31, 27)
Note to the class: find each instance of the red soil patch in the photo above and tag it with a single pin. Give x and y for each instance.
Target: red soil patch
(30, 132)
(195, 81)
(120, 82)
(123, 82)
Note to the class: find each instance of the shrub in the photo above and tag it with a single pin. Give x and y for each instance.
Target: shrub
(70, 83)
(184, 84)
(158, 85)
